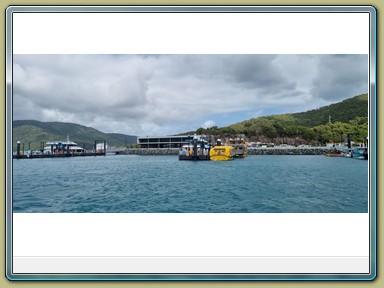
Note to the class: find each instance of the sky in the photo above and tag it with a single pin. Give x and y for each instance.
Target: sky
(154, 95)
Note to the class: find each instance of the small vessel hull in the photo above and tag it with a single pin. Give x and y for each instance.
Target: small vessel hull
(191, 157)
(198, 149)
(360, 153)
(239, 147)
(334, 155)
(222, 153)
(241, 154)
(221, 158)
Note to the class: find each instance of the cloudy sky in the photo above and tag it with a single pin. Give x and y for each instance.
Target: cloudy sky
(168, 94)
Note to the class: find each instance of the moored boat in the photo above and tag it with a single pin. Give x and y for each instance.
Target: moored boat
(63, 147)
(339, 154)
(222, 153)
(198, 149)
(360, 153)
(240, 147)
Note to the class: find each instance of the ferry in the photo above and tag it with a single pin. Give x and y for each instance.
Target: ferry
(240, 147)
(221, 152)
(61, 147)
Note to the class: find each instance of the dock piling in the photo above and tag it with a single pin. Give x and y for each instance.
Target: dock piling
(18, 149)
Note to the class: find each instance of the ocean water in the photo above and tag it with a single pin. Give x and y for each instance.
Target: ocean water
(163, 184)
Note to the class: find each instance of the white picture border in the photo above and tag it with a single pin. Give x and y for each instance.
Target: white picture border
(315, 30)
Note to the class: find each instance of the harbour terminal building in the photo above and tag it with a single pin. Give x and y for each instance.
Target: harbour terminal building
(164, 141)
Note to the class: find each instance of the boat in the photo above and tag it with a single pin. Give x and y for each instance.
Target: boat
(62, 147)
(221, 152)
(360, 153)
(337, 154)
(197, 149)
(345, 152)
(357, 153)
(240, 147)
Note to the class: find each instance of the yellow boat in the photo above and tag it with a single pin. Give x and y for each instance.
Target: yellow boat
(221, 153)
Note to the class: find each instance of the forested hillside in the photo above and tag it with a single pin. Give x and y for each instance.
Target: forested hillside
(326, 124)
(35, 132)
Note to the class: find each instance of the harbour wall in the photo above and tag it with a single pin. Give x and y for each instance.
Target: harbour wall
(291, 151)
(251, 151)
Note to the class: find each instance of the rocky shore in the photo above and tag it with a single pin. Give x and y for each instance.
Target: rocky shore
(252, 151)
(291, 151)
(149, 151)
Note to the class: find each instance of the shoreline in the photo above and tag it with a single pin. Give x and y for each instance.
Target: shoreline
(175, 151)
(251, 151)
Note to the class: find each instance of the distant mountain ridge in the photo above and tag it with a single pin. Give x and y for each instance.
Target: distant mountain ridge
(35, 132)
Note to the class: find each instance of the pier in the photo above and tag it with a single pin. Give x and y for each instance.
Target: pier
(60, 149)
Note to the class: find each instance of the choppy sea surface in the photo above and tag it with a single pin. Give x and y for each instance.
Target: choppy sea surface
(163, 184)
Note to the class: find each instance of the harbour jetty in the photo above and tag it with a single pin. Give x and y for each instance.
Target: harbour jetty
(40, 156)
(60, 149)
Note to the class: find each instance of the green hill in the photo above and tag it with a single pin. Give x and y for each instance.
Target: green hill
(36, 132)
(348, 116)
(344, 111)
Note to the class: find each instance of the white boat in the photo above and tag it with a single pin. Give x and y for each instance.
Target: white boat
(62, 147)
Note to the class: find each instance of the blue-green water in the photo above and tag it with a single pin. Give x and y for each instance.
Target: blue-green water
(131, 183)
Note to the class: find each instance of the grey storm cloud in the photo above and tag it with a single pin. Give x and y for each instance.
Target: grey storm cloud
(165, 94)
(340, 76)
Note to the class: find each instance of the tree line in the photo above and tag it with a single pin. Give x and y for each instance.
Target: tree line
(267, 129)
(319, 126)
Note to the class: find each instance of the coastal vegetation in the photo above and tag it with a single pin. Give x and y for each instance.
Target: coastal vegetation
(327, 124)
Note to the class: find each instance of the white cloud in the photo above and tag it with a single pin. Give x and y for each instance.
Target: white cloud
(208, 124)
(169, 94)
